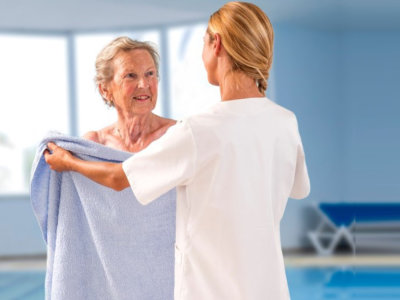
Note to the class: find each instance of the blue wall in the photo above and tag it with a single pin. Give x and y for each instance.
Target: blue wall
(307, 82)
(19, 231)
(343, 87)
(371, 105)
(307, 76)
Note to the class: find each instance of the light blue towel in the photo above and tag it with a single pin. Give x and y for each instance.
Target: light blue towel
(101, 244)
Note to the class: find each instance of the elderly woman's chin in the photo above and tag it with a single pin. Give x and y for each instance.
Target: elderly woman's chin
(142, 106)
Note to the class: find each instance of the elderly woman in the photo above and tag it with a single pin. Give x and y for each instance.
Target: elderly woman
(127, 79)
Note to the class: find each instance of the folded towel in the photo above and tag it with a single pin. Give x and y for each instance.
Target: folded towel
(101, 244)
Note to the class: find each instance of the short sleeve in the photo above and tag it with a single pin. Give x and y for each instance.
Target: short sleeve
(166, 163)
(301, 184)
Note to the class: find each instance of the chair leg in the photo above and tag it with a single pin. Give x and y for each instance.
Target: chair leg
(341, 233)
(321, 249)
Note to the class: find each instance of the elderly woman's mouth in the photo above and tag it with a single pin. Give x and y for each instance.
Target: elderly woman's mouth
(141, 98)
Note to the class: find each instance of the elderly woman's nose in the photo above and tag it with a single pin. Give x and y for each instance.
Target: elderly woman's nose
(143, 82)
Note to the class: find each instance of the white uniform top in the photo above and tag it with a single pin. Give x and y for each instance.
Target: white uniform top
(234, 166)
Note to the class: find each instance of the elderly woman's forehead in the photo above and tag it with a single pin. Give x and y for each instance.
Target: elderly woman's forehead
(124, 57)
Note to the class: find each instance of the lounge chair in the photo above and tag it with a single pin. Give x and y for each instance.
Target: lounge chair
(357, 224)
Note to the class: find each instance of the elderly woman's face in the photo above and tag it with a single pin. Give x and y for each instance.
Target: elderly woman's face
(134, 87)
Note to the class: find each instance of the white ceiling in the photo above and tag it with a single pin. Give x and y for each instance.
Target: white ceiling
(88, 15)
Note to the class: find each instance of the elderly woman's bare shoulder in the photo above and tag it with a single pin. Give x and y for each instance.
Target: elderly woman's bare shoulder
(92, 136)
(99, 136)
(158, 122)
(165, 123)
(162, 126)
(168, 122)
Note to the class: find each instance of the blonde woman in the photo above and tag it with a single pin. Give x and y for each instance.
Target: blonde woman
(234, 167)
(127, 79)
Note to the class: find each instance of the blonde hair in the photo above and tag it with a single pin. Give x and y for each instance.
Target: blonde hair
(104, 67)
(247, 36)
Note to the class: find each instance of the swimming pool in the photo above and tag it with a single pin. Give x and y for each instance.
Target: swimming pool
(355, 283)
(18, 285)
(358, 283)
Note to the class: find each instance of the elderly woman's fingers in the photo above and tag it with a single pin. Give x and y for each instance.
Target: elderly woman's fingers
(47, 158)
(56, 157)
(52, 146)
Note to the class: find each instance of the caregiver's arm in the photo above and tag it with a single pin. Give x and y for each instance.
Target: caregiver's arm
(105, 173)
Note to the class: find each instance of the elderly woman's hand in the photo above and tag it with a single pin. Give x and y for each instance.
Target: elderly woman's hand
(58, 158)
(106, 173)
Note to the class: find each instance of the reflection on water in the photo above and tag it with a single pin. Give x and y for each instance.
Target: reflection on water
(16, 285)
(358, 283)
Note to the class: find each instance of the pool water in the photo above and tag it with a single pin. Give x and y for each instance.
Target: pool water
(358, 283)
(17, 285)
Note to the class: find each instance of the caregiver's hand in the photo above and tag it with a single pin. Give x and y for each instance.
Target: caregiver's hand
(58, 158)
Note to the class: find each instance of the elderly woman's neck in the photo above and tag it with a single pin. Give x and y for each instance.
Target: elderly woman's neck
(136, 132)
(134, 126)
(133, 133)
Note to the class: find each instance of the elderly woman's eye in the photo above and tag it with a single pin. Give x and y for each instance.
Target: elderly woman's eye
(131, 75)
(150, 73)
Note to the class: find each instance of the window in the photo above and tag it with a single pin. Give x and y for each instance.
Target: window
(190, 90)
(33, 77)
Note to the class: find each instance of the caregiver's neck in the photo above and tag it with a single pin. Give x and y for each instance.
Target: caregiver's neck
(235, 85)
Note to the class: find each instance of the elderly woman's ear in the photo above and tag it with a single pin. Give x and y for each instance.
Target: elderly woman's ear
(106, 94)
